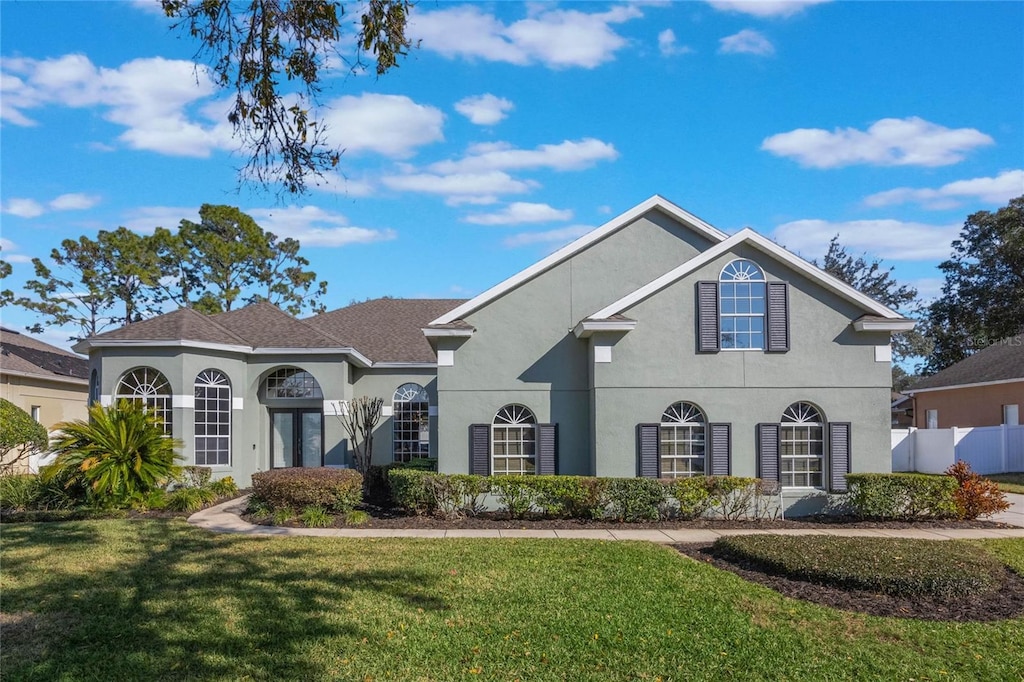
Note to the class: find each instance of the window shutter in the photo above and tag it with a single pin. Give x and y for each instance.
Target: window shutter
(720, 449)
(480, 449)
(839, 454)
(777, 322)
(648, 438)
(768, 452)
(547, 449)
(707, 317)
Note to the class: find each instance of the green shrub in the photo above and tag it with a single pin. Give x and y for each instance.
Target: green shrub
(573, 497)
(356, 517)
(419, 464)
(189, 499)
(902, 496)
(975, 496)
(224, 487)
(258, 508)
(282, 515)
(453, 496)
(692, 496)
(315, 516)
(338, 490)
(899, 567)
(636, 499)
(153, 499)
(20, 436)
(409, 490)
(19, 491)
(516, 494)
(195, 476)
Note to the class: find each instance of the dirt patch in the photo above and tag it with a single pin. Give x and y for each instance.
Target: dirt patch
(1006, 601)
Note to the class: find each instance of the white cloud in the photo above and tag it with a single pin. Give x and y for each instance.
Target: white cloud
(484, 110)
(764, 8)
(8, 252)
(997, 190)
(747, 41)
(313, 226)
(556, 38)
(461, 188)
(336, 183)
(145, 219)
(928, 288)
(888, 142)
(568, 155)
(520, 212)
(667, 44)
(556, 238)
(24, 208)
(74, 202)
(392, 125)
(887, 239)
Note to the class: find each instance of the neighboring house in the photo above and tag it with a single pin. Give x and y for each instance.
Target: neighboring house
(48, 382)
(985, 389)
(902, 410)
(655, 345)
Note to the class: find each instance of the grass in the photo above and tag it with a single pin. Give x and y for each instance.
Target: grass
(1009, 483)
(160, 600)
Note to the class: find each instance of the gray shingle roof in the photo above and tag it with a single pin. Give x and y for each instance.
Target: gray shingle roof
(1000, 361)
(264, 325)
(386, 329)
(183, 323)
(24, 354)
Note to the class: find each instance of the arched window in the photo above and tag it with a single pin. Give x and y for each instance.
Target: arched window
(682, 441)
(802, 446)
(410, 423)
(741, 299)
(149, 387)
(291, 382)
(213, 418)
(94, 388)
(514, 441)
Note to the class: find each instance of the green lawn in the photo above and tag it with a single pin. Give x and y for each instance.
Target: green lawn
(149, 600)
(1009, 483)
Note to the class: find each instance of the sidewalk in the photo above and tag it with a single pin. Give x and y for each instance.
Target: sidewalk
(224, 518)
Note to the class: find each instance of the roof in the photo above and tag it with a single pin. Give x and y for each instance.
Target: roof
(184, 323)
(387, 329)
(22, 354)
(264, 325)
(1003, 361)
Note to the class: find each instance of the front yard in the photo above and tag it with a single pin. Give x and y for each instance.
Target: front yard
(1009, 483)
(134, 599)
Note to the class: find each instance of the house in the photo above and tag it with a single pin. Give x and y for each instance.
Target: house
(655, 345)
(902, 409)
(48, 382)
(984, 389)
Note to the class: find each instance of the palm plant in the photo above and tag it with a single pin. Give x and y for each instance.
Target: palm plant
(121, 451)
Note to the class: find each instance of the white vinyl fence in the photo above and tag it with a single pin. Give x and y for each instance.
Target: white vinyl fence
(988, 449)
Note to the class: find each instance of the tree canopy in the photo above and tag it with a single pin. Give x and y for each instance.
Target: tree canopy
(273, 54)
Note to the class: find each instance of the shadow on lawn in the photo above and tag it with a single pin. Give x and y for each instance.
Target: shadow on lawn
(185, 604)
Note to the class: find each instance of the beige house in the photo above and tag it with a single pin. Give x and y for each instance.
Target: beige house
(48, 382)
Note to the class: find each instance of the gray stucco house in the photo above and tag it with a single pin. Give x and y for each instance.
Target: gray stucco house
(655, 345)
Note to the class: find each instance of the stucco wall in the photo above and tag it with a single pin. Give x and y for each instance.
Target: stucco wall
(977, 406)
(382, 383)
(57, 401)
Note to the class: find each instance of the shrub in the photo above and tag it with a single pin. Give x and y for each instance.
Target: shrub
(195, 476)
(455, 495)
(338, 490)
(409, 490)
(315, 516)
(20, 436)
(975, 496)
(902, 496)
(257, 507)
(19, 491)
(356, 517)
(900, 567)
(224, 487)
(189, 499)
(516, 494)
(574, 497)
(636, 499)
(282, 515)
(153, 499)
(692, 495)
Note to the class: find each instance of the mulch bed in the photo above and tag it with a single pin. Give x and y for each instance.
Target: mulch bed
(1006, 601)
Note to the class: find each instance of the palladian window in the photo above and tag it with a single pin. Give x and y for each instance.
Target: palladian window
(741, 292)
(149, 387)
(681, 441)
(291, 382)
(410, 423)
(802, 446)
(514, 441)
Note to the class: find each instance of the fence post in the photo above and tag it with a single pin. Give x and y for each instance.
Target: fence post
(912, 453)
(1004, 443)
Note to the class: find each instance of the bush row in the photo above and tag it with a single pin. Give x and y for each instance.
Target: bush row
(960, 494)
(581, 497)
(335, 490)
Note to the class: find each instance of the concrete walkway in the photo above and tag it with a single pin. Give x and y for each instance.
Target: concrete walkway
(225, 518)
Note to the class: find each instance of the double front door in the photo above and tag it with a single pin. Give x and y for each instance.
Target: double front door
(296, 438)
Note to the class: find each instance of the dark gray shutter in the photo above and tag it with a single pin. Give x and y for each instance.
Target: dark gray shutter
(547, 449)
(719, 449)
(648, 437)
(777, 317)
(707, 317)
(838, 454)
(768, 452)
(480, 449)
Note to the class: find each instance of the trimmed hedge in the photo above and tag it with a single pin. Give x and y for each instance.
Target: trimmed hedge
(902, 497)
(899, 567)
(339, 490)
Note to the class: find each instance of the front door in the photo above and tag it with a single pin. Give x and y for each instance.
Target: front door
(296, 438)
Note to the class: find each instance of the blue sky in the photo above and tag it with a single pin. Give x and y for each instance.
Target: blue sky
(515, 127)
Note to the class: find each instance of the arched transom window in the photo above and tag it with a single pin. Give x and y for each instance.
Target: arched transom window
(410, 423)
(291, 382)
(147, 386)
(741, 300)
(802, 446)
(682, 441)
(213, 418)
(514, 441)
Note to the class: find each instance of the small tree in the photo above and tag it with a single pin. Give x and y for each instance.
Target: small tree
(359, 421)
(20, 437)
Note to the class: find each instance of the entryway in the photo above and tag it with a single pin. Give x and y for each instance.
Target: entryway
(296, 437)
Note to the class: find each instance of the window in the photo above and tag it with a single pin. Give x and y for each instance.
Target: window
(514, 441)
(681, 442)
(802, 446)
(94, 388)
(213, 419)
(410, 423)
(36, 413)
(741, 291)
(1011, 415)
(149, 387)
(931, 419)
(291, 382)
